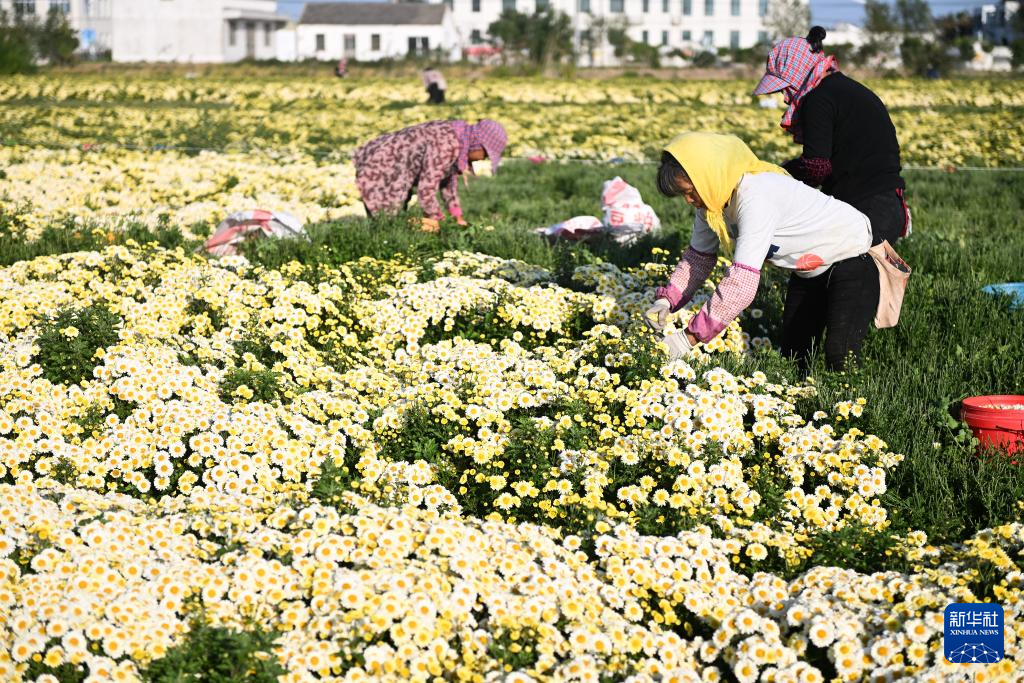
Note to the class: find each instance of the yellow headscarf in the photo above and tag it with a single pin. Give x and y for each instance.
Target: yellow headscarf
(715, 164)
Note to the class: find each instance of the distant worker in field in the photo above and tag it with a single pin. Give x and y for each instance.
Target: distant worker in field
(422, 159)
(849, 142)
(341, 68)
(755, 212)
(435, 84)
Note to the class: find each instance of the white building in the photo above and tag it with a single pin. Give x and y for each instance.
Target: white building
(199, 31)
(669, 24)
(368, 31)
(995, 21)
(90, 18)
(846, 34)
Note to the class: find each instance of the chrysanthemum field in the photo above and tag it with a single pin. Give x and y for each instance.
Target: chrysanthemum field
(385, 455)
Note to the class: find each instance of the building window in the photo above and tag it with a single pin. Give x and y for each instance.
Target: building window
(664, 38)
(647, 6)
(542, 5)
(585, 6)
(664, 6)
(687, 7)
(476, 5)
(762, 37)
(709, 8)
(232, 33)
(450, 3)
(321, 42)
(475, 37)
(419, 46)
(617, 6)
(734, 40)
(709, 39)
(508, 5)
(687, 36)
(584, 37)
(24, 8)
(644, 39)
(375, 42)
(60, 6)
(350, 44)
(762, 8)
(734, 7)
(268, 33)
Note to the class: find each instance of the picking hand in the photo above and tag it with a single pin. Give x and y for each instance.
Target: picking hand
(679, 345)
(462, 222)
(656, 316)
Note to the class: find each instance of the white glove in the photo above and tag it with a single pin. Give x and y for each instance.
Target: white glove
(679, 345)
(656, 316)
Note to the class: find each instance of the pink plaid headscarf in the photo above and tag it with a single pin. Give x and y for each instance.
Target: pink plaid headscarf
(487, 135)
(796, 71)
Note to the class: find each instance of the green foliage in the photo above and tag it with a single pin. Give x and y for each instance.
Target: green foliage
(56, 40)
(1017, 47)
(25, 40)
(17, 52)
(68, 342)
(515, 649)
(905, 16)
(214, 654)
(545, 36)
(65, 673)
(921, 57)
(262, 385)
(635, 51)
(705, 60)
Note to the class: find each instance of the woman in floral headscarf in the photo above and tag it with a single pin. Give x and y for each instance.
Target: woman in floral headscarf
(422, 159)
(849, 143)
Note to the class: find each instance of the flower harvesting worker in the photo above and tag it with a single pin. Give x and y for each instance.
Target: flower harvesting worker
(849, 142)
(756, 212)
(422, 159)
(435, 84)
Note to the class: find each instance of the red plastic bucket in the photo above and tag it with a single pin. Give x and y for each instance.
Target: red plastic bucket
(997, 421)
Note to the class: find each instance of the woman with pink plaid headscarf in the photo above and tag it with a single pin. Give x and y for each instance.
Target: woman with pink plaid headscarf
(421, 160)
(849, 142)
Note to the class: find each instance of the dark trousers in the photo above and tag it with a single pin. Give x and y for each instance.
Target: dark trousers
(436, 95)
(885, 211)
(839, 304)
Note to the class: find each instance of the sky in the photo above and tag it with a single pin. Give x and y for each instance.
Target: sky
(825, 12)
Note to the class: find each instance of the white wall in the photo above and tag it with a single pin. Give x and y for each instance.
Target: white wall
(190, 30)
(660, 17)
(261, 44)
(393, 40)
(168, 31)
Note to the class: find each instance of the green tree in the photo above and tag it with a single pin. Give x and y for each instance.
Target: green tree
(17, 51)
(509, 32)
(879, 18)
(545, 36)
(56, 41)
(914, 16)
(549, 37)
(788, 18)
(921, 56)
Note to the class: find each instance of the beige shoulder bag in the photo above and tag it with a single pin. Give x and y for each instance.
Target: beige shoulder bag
(893, 275)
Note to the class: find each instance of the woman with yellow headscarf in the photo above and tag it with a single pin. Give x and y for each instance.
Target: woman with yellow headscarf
(755, 212)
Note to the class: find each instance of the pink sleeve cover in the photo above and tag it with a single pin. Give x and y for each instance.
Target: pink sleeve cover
(691, 272)
(734, 293)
